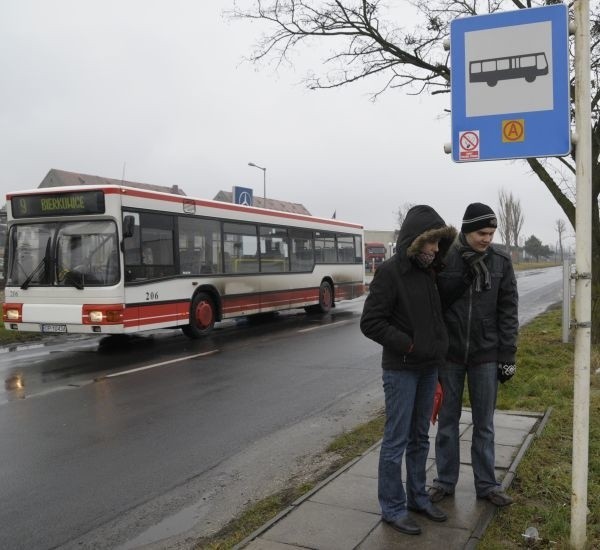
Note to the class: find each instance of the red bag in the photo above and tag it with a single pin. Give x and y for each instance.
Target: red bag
(438, 397)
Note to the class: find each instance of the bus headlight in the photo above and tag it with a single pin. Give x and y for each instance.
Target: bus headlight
(95, 316)
(100, 314)
(12, 312)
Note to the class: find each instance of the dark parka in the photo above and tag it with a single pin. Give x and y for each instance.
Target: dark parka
(482, 326)
(403, 311)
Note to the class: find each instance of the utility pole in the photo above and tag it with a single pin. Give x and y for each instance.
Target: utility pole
(583, 274)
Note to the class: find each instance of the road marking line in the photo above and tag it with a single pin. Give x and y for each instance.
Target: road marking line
(162, 364)
(325, 326)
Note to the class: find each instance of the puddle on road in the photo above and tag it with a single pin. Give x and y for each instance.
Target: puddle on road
(171, 526)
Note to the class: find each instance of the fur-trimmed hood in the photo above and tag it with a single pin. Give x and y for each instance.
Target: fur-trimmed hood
(423, 224)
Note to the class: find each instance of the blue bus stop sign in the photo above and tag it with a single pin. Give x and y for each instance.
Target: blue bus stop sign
(510, 85)
(243, 195)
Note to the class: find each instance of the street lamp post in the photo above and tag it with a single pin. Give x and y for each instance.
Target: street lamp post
(264, 181)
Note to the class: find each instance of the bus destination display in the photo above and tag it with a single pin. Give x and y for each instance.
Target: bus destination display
(58, 204)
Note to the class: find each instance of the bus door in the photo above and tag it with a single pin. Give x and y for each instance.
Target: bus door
(274, 264)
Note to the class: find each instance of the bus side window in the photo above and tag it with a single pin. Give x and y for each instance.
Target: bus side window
(199, 245)
(157, 244)
(241, 243)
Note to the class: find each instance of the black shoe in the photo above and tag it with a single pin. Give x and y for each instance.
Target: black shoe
(437, 493)
(498, 498)
(431, 512)
(405, 525)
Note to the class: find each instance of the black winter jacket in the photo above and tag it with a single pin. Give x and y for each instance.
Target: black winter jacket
(482, 326)
(403, 311)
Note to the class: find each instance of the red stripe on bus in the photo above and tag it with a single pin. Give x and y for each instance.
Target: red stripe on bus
(151, 314)
(172, 312)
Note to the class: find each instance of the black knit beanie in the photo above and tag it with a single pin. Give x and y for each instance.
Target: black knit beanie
(477, 216)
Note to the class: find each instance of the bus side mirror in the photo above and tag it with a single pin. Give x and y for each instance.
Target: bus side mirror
(128, 226)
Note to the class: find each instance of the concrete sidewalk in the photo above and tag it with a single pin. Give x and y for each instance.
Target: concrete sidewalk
(342, 512)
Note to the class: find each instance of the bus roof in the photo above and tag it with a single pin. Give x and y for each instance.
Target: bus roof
(183, 200)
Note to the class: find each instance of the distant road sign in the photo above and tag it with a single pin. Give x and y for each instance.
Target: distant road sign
(510, 84)
(243, 195)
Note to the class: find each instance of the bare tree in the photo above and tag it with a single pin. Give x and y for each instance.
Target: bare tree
(365, 42)
(504, 217)
(516, 220)
(402, 211)
(510, 219)
(560, 229)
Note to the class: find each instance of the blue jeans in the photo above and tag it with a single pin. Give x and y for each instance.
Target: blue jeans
(483, 386)
(408, 404)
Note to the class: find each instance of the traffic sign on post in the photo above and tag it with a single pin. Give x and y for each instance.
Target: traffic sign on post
(243, 195)
(510, 84)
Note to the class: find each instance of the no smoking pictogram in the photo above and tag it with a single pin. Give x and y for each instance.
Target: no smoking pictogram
(468, 145)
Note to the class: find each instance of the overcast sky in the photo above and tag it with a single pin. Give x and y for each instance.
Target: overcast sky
(158, 91)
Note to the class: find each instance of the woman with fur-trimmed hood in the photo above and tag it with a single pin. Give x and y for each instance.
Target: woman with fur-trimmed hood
(403, 313)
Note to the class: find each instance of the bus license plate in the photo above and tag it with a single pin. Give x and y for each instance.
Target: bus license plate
(54, 328)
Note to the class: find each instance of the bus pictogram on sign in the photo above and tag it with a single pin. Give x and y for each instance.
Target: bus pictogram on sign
(527, 66)
(468, 145)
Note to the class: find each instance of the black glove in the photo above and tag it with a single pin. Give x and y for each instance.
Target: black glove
(506, 371)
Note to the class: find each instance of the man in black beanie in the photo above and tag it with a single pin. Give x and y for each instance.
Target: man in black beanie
(479, 296)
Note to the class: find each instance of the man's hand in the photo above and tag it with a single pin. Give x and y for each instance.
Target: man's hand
(506, 371)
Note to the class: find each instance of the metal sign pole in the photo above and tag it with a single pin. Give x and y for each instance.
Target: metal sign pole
(583, 285)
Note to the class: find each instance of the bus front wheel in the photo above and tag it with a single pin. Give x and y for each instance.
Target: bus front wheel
(203, 315)
(325, 299)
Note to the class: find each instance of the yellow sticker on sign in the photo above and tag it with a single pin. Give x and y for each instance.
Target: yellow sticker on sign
(513, 130)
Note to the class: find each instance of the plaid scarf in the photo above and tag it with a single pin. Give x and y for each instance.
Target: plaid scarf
(477, 266)
(424, 259)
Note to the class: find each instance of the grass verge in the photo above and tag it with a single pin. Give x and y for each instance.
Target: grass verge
(542, 486)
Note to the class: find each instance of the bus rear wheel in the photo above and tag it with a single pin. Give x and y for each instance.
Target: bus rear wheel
(325, 299)
(203, 315)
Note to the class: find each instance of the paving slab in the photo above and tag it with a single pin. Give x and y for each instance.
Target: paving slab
(322, 526)
(367, 465)
(350, 491)
(384, 538)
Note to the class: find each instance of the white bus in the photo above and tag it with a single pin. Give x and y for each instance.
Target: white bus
(114, 260)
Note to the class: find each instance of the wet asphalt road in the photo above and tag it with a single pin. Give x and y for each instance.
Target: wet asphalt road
(96, 454)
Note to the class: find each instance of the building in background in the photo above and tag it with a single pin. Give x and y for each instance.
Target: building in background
(58, 178)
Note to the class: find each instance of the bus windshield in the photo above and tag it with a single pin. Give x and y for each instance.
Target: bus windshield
(63, 254)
